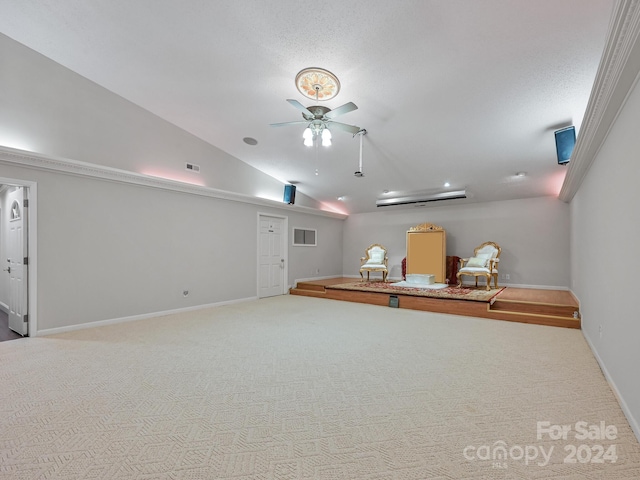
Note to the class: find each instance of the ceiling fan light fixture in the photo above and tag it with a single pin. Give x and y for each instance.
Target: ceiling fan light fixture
(317, 83)
(308, 142)
(308, 133)
(326, 137)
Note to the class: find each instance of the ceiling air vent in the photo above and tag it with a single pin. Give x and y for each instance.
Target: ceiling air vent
(420, 198)
(192, 167)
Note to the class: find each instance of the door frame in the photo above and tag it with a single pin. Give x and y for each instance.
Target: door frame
(285, 250)
(31, 189)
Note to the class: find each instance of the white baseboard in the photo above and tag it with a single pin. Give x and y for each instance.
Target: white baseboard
(112, 321)
(633, 422)
(536, 287)
(521, 285)
(576, 297)
(4, 307)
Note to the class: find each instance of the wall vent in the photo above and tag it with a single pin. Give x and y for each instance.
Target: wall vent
(192, 167)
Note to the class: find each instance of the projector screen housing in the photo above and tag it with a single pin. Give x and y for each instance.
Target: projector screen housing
(420, 198)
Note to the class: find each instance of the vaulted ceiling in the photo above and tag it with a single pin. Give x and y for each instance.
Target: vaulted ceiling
(467, 92)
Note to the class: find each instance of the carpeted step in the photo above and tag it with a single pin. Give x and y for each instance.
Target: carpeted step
(568, 311)
(310, 286)
(307, 293)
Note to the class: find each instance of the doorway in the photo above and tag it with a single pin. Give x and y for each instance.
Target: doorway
(272, 255)
(17, 258)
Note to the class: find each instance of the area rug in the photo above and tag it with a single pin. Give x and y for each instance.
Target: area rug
(450, 293)
(425, 286)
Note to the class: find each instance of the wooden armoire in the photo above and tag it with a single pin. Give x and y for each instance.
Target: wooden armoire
(426, 251)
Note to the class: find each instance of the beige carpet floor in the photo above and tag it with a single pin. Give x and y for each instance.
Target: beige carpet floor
(303, 388)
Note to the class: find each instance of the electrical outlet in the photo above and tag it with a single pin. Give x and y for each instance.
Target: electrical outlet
(506, 276)
(317, 271)
(185, 293)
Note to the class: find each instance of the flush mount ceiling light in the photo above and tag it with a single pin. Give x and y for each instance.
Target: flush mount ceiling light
(317, 83)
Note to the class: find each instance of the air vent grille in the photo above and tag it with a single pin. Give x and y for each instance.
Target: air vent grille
(192, 167)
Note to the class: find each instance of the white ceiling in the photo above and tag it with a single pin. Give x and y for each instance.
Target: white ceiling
(461, 91)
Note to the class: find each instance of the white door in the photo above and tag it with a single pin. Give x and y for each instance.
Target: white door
(271, 257)
(16, 261)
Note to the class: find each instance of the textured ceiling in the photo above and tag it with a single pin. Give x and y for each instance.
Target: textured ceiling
(461, 91)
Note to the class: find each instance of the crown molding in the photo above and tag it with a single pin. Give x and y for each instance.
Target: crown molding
(21, 158)
(617, 75)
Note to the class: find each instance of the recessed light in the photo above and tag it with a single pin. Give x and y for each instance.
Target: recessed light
(385, 192)
(521, 174)
(341, 198)
(447, 184)
(250, 141)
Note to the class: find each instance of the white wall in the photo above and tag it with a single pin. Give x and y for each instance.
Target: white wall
(604, 265)
(46, 108)
(533, 234)
(108, 250)
(323, 260)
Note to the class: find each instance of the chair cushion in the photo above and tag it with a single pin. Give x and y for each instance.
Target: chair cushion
(376, 255)
(474, 270)
(372, 265)
(479, 261)
(488, 249)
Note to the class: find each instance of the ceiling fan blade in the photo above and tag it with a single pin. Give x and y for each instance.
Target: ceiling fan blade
(346, 108)
(343, 126)
(302, 122)
(300, 107)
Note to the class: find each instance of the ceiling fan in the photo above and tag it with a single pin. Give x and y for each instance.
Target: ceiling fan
(319, 119)
(319, 84)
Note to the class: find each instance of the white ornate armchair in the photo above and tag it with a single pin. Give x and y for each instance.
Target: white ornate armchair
(375, 260)
(484, 263)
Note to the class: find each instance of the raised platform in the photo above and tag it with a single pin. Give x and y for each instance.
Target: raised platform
(556, 308)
